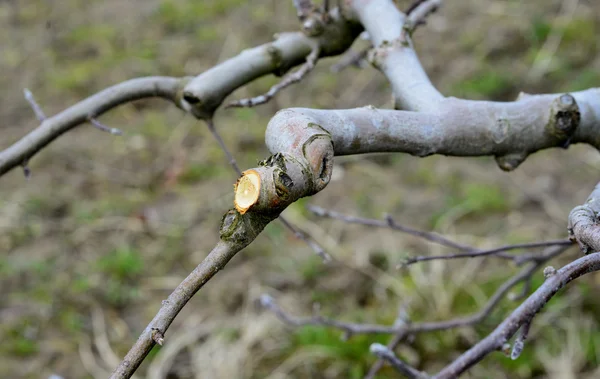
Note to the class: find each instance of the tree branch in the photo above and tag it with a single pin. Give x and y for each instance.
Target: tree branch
(496, 252)
(584, 223)
(288, 80)
(418, 327)
(383, 352)
(205, 93)
(202, 94)
(391, 224)
(90, 108)
(522, 315)
(236, 232)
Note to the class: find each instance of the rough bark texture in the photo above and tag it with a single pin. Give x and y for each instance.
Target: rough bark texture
(584, 223)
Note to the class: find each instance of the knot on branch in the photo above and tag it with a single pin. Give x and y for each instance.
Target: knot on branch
(564, 119)
(511, 161)
(584, 223)
(377, 56)
(241, 229)
(584, 228)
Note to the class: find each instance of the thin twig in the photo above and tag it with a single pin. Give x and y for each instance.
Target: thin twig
(97, 124)
(405, 369)
(389, 223)
(392, 344)
(419, 12)
(211, 126)
(39, 113)
(495, 252)
(53, 127)
(413, 6)
(26, 170)
(287, 80)
(410, 328)
(522, 315)
(319, 251)
(519, 344)
(416, 15)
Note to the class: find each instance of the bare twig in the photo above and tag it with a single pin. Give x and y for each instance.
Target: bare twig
(52, 127)
(522, 315)
(97, 124)
(286, 81)
(520, 341)
(496, 252)
(389, 223)
(411, 328)
(419, 11)
(39, 113)
(383, 352)
(402, 319)
(200, 95)
(26, 169)
(211, 126)
(413, 6)
(302, 235)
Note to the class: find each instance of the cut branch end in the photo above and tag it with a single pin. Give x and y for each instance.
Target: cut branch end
(247, 190)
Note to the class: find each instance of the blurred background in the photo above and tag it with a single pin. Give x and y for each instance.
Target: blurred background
(107, 226)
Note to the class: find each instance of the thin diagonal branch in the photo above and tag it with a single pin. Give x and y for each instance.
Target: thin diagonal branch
(383, 352)
(522, 315)
(420, 10)
(39, 113)
(303, 236)
(288, 80)
(231, 160)
(236, 232)
(392, 344)
(53, 127)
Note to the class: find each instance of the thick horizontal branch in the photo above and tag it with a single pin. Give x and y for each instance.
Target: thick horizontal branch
(522, 315)
(584, 223)
(205, 93)
(86, 110)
